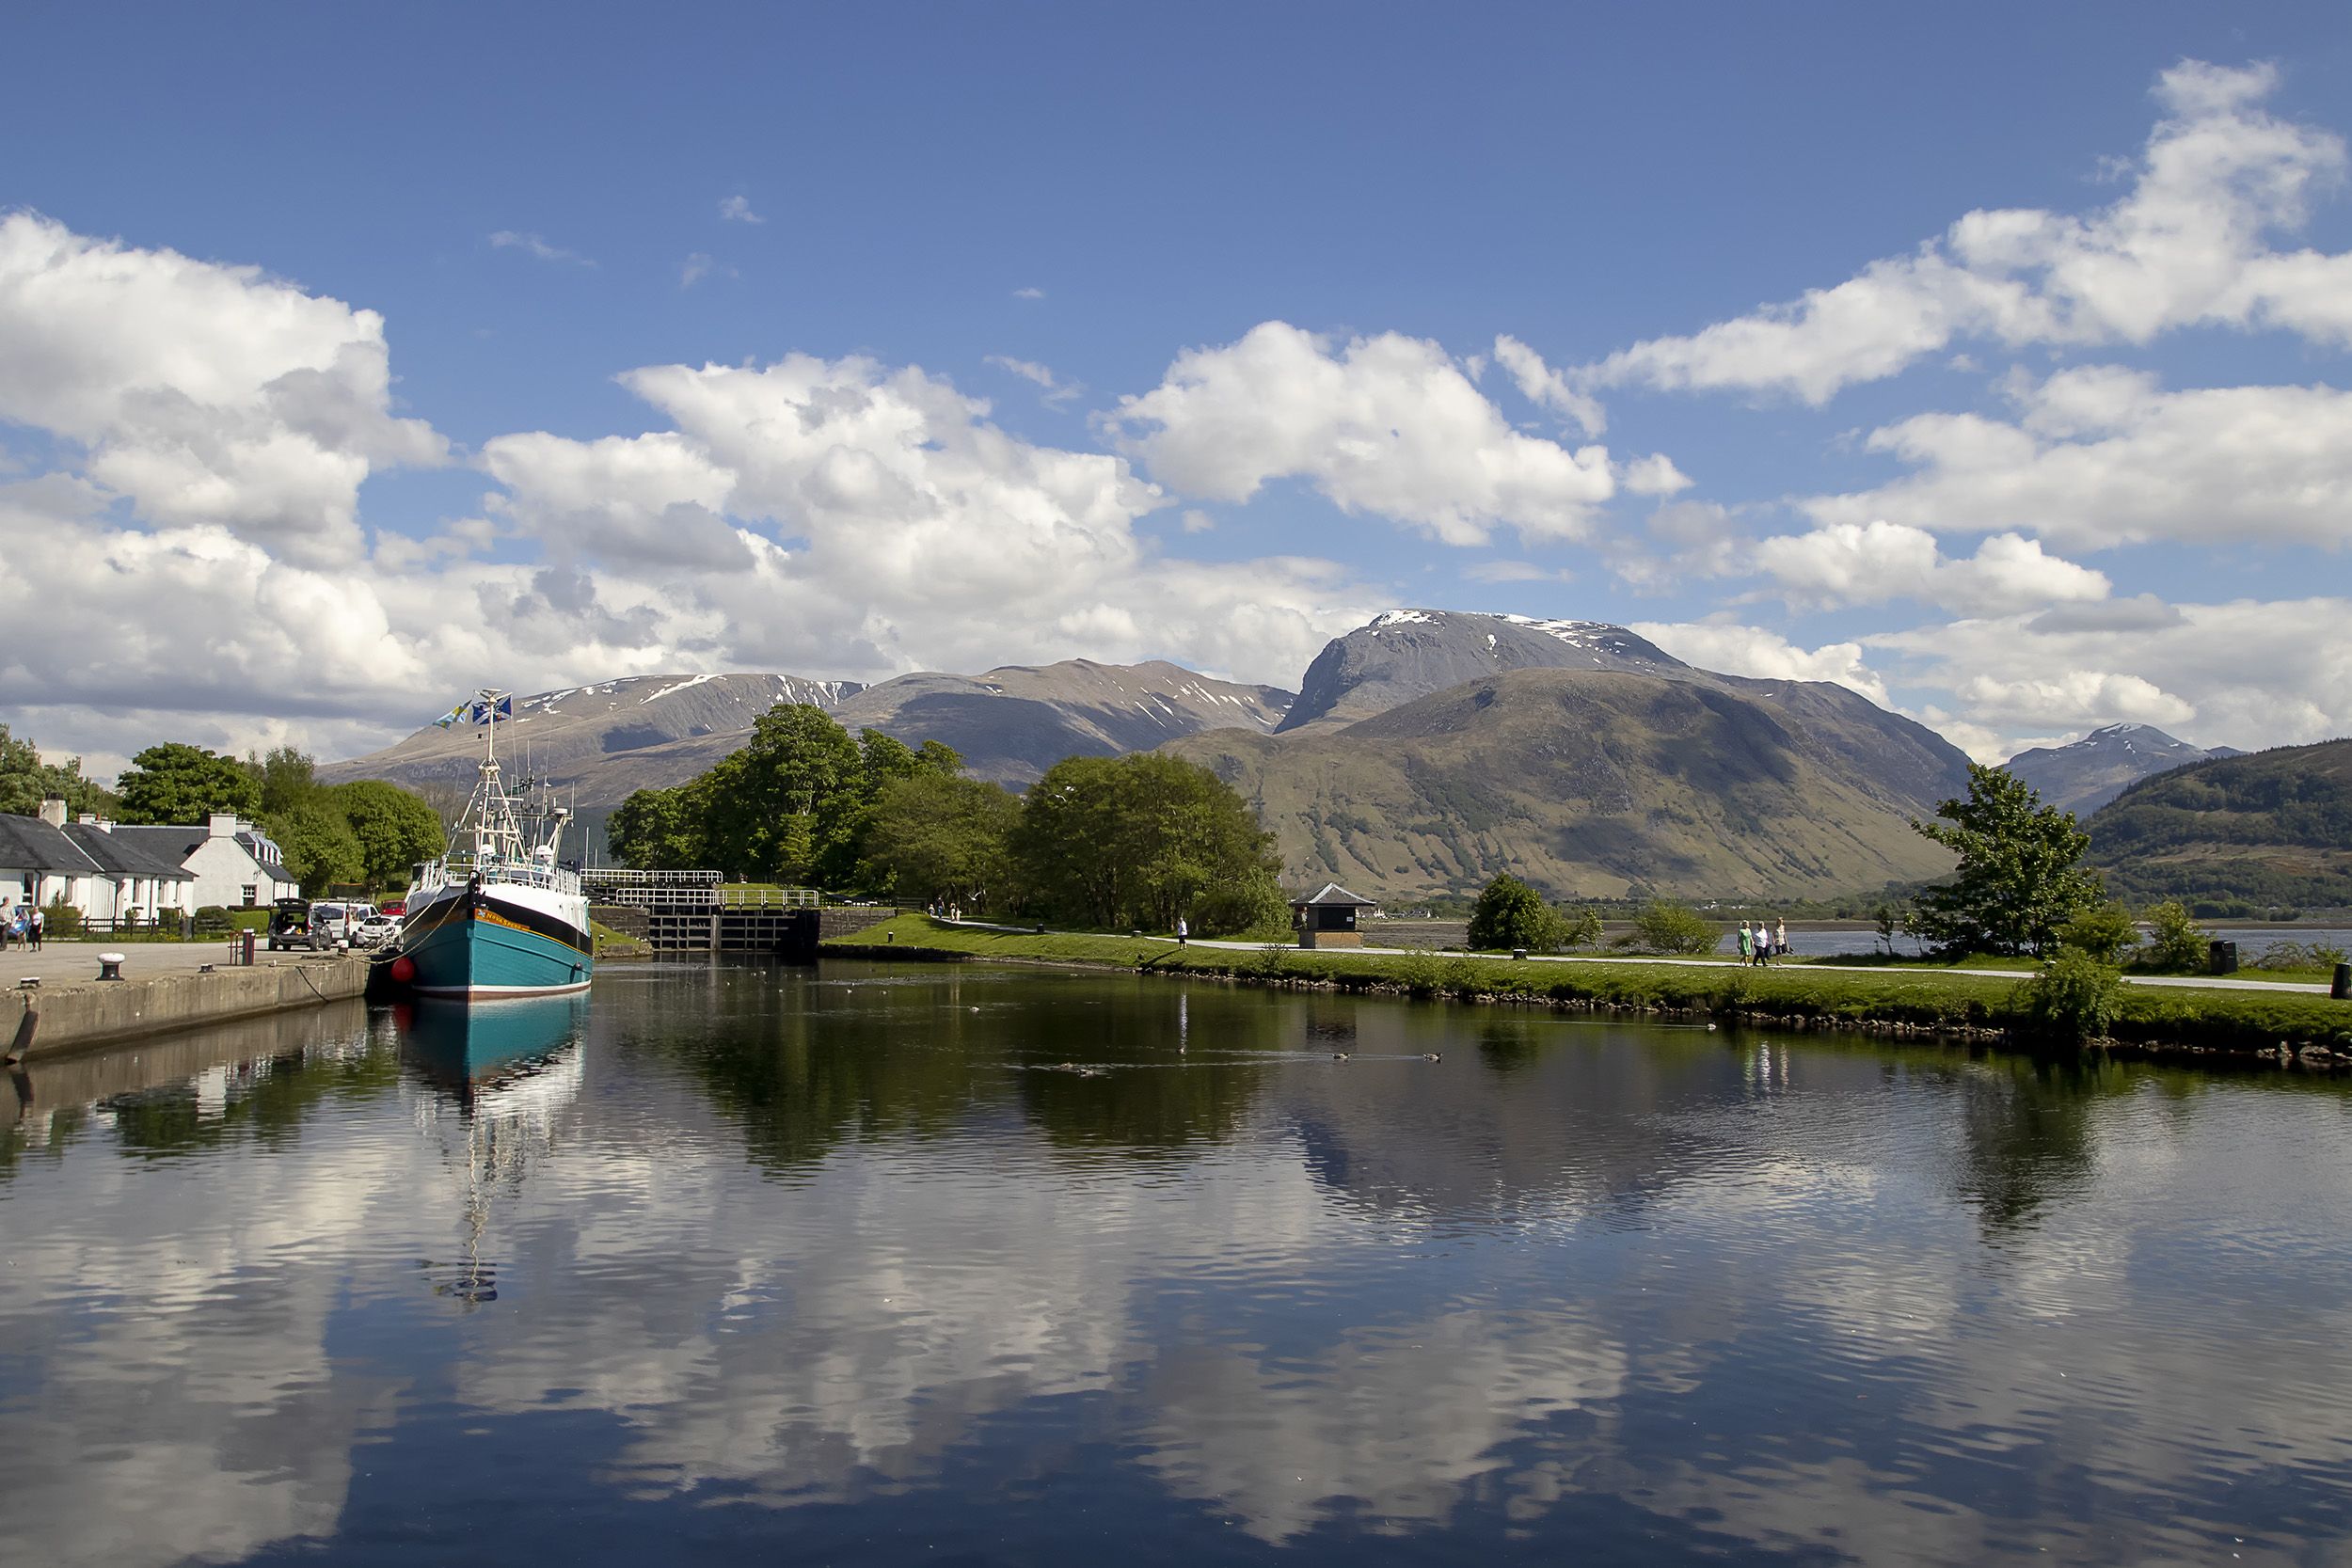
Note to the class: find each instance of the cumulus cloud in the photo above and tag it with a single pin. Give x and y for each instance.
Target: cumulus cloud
(2100, 456)
(1029, 293)
(202, 394)
(737, 209)
(2245, 672)
(1388, 424)
(1848, 563)
(1733, 649)
(535, 245)
(1546, 388)
(2188, 244)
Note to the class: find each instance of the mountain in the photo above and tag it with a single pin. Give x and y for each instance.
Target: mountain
(2086, 774)
(575, 737)
(1014, 723)
(2261, 829)
(1597, 782)
(603, 742)
(1404, 654)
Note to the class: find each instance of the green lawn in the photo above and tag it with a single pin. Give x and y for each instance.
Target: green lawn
(2232, 1019)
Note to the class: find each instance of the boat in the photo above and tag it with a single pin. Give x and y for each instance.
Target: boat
(498, 915)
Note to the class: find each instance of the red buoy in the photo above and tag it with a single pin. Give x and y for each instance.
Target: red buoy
(404, 969)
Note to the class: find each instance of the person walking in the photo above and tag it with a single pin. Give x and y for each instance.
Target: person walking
(37, 927)
(1747, 944)
(1184, 932)
(1780, 936)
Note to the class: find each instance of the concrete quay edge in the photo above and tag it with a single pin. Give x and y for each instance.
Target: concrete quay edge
(94, 1015)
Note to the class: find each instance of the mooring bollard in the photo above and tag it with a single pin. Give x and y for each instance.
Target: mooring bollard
(110, 966)
(2341, 989)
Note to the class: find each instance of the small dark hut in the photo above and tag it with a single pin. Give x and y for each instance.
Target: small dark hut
(1328, 919)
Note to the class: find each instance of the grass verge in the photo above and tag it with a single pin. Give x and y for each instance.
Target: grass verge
(2235, 1021)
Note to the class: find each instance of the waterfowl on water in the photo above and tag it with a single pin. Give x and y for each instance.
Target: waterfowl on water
(1431, 1056)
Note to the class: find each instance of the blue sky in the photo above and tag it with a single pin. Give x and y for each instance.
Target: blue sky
(2019, 480)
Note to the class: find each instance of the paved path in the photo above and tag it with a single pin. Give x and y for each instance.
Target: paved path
(61, 962)
(2189, 982)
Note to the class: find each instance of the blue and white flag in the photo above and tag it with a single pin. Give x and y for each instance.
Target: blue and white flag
(490, 712)
(453, 714)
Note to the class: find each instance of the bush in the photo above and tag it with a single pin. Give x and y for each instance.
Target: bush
(2174, 940)
(60, 919)
(2104, 932)
(2298, 956)
(1248, 907)
(1664, 928)
(1509, 914)
(2075, 998)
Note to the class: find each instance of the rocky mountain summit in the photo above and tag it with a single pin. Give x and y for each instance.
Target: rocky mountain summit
(1404, 653)
(2086, 774)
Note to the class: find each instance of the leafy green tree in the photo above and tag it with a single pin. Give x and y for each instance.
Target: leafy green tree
(26, 781)
(176, 783)
(319, 847)
(2020, 876)
(937, 837)
(1886, 919)
(288, 778)
(1137, 841)
(2075, 997)
(2106, 931)
(1509, 914)
(395, 828)
(2175, 942)
(768, 809)
(656, 829)
(1663, 927)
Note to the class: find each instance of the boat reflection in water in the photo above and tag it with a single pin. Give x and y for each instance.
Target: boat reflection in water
(505, 1071)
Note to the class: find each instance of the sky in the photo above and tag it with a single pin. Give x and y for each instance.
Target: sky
(1994, 361)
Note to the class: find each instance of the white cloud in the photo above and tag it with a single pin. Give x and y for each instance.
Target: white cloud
(533, 245)
(1732, 649)
(1388, 424)
(2187, 244)
(1029, 293)
(2100, 456)
(1654, 475)
(737, 209)
(1848, 563)
(1056, 392)
(1197, 521)
(1516, 571)
(2246, 672)
(1546, 388)
(696, 267)
(202, 394)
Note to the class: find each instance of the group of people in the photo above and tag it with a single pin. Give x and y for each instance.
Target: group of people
(1759, 945)
(939, 908)
(22, 925)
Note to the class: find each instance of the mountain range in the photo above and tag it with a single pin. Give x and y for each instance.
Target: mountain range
(2086, 774)
(1425, 751)
(2256, 830)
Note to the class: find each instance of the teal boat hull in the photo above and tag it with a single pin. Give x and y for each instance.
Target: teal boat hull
(478, 945)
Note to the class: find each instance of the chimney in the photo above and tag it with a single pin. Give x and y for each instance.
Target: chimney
(53, 813)
(224, 824)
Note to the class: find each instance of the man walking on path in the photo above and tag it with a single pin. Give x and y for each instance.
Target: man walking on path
(1184, 932)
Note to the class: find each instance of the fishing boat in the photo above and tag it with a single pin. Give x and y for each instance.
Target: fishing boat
(498, 915)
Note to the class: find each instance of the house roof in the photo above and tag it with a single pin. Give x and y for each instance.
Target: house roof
(181, 842)
(126, 854)
(29, 844)
(1333, 894)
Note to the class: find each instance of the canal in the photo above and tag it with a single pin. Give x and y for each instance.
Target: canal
(954, 1264)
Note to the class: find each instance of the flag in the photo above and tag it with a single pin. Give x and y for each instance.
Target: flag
(490, 711)
(452, 716)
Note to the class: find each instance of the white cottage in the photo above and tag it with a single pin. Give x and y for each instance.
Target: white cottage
(233, 864)
(44, 859)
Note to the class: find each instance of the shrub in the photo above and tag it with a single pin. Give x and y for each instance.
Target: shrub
(2175, 941)
(60, 919)
(1664, 928)
(2075, 998)
(2103, 931)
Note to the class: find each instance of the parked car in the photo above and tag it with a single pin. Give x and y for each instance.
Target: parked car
(374, 929)
(396, 907)
(336, 922)
(290, 926)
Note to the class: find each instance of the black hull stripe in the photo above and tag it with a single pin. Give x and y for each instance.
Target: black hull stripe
(464, 906)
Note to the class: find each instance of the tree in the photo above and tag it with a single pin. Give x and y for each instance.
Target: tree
(934, 836)
(175, 783)
(1664, 928)
(393, 826)
(26, 781)
(2175, 941)
(319, 847)
(1509, 914)
(771, 809)
(1138, 841)
(2020, 875)
(1886, 919)
(2104, 931)
(656, 830)
(287, 777)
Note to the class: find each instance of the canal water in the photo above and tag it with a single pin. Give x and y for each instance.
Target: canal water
(935, 1266)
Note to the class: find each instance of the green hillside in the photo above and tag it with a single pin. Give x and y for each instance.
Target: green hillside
(1590, 784)
(2271, 828)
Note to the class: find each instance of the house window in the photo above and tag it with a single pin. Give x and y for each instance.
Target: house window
(252, 895)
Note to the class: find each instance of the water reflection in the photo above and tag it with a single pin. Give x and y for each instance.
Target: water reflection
(908, 1265)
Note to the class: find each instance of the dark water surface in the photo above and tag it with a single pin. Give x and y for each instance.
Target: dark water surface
(960, 1265)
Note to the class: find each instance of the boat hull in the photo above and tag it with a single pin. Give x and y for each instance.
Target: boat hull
(499, 941)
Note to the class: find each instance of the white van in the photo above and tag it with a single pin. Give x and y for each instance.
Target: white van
(336, 922)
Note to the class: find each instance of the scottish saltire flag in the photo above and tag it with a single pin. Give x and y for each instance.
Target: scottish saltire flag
(490, 712)
(452, 716)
